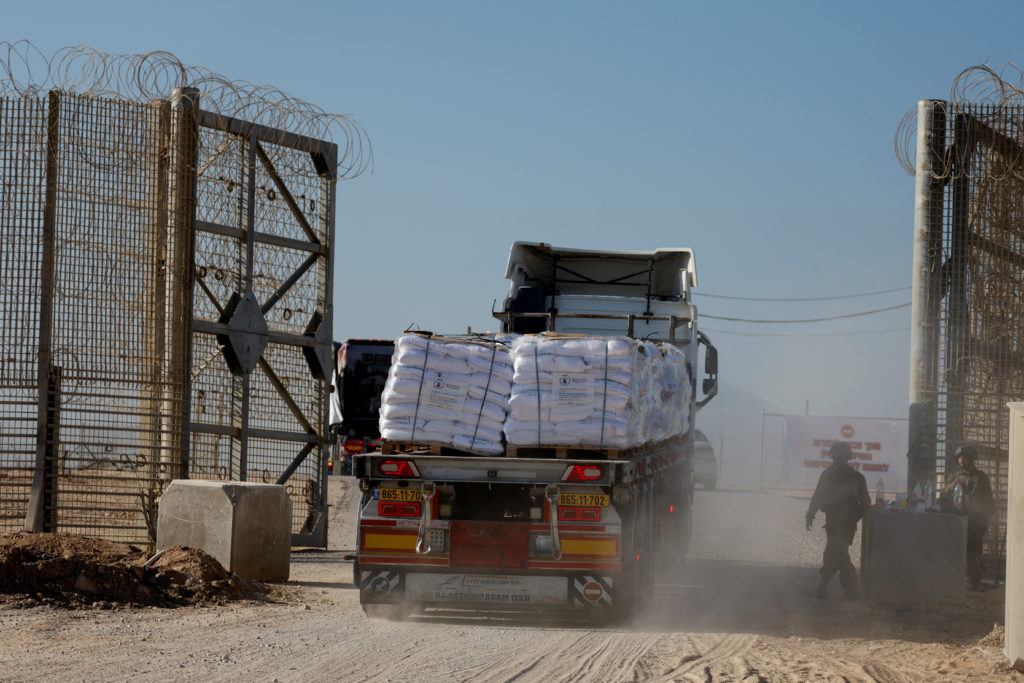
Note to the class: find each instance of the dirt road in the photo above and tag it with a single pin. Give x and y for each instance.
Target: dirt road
(741, 610)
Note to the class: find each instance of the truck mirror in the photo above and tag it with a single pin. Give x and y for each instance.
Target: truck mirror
(711, 360)
(710, 384)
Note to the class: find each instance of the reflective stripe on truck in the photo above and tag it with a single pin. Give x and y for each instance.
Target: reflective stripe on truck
(576, 590)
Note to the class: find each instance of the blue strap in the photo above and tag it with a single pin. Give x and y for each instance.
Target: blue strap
(490, 373)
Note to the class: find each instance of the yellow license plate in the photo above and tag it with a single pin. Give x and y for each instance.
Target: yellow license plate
(589, 499)
(400, 495)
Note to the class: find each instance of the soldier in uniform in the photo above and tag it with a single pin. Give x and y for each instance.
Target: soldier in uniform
(842, 494)
(976, 501)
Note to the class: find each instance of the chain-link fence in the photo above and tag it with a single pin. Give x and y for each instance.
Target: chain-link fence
(165, 289)
(87, 395)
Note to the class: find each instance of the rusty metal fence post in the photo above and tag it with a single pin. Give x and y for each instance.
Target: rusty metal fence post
(180, 279)
(38, 517)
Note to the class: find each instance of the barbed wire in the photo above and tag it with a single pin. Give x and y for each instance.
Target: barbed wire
(26, 72)
(987, 95)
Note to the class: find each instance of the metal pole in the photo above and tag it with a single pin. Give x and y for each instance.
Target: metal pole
(155, 435)
(241, 385)
(927, 294)
(326, 163)
(36, 517)
(180, 281)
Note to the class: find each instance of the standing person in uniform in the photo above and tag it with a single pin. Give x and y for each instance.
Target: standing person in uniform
(842, 494)
(977, 502)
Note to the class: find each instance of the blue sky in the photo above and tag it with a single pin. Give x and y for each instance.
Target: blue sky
(760, 134)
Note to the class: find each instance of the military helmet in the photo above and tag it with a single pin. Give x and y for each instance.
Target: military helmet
(968, 453)
(840, 451)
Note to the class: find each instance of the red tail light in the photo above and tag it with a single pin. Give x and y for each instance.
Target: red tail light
(403, 469)
(394, 509)
(574, 514)
(583, 473)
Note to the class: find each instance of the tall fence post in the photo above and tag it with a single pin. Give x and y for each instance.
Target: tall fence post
(180, 278)
(927, 291)
(39, 517)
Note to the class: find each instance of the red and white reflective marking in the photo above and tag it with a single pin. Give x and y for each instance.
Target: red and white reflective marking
(593, 591)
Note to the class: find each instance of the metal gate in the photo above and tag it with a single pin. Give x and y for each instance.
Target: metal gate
(262, 342)
(165, 302)
(967, 339)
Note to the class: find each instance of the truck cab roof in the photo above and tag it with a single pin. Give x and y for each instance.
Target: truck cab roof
(662, 274)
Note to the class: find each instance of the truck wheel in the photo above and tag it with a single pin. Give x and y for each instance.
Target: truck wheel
(649, 553)
(677, 533)
(626, 605)
(637, 579)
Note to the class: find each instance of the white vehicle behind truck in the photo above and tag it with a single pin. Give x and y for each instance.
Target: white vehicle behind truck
(537, 524)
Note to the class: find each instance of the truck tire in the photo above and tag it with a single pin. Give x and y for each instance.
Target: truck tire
(678, 529)
(648, 557)
(636, 587)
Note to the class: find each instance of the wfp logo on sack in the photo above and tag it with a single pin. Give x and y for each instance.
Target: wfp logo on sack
(438, 383)
(564, 380)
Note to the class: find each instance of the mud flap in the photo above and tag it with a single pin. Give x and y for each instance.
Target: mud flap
(381, 586)
(591, 591)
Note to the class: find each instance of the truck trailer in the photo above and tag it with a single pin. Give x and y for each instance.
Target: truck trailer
(532, 522)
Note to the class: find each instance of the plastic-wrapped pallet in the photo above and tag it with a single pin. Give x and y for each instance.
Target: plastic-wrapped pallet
(667, 392)
(448, 391)
(607, 392)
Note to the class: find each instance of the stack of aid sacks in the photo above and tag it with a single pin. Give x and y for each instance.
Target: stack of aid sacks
(477, 394)
(605, 392)
(448, 391)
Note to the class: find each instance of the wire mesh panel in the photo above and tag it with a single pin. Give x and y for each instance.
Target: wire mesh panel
(22, 198)
(84, 343)
(262, 268)
(973, 276)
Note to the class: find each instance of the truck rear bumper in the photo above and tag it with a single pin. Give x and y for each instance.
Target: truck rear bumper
(485, 590)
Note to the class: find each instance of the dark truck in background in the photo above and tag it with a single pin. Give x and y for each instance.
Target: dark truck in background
(360, 371)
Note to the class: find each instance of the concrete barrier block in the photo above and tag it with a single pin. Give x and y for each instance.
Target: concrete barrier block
(245, 526)
(915, 556)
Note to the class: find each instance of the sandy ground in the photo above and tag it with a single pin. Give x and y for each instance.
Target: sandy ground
(740, 610)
